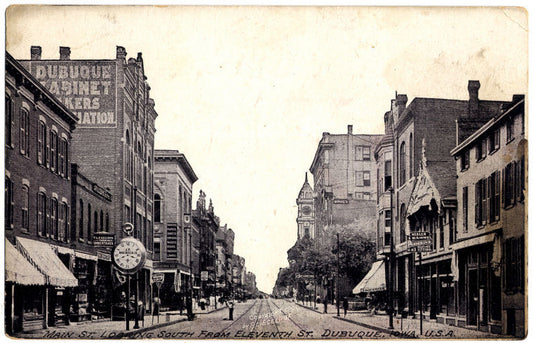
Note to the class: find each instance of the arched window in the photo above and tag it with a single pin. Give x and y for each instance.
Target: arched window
(403, 215)
(41, 214)
(107, 222)
(9, 121)
(95, 223)
(24, 132)
(9, 203)
(128, 157)
(402, 163)
(157, 208)
(89, 224)
(101, 220)
(54, 218)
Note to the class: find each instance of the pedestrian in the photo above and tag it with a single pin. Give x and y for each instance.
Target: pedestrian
(345, 306)
(325, 305)
(157, 303)
(230, 307)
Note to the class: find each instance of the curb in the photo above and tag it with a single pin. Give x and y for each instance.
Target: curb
(311, 309)
(153, 327)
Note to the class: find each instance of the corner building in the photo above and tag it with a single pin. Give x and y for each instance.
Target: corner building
(113, 142)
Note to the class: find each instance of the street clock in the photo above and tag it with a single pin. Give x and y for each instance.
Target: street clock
(306, 210)
(129, 255)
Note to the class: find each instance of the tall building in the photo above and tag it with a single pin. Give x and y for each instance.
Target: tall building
(489, 247)
(208, 223)
(224, 244)
(344, 173)
(306, 211)
(425, 196)
(39, 279)
(114, 139)
(173, 235)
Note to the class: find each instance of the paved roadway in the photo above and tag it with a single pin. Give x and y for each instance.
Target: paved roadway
(262, 319)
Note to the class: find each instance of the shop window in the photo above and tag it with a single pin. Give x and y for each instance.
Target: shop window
(9, 203)
(24, 132)
(514, 265)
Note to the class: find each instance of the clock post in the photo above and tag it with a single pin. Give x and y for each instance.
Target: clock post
(129, 256)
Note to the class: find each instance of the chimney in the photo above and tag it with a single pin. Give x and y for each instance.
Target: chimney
(35, 53)
(121, 52)
(350, 129)
(401, 102)
(473, 93)
(64, 53)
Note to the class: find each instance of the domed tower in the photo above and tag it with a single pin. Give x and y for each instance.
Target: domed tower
(306, 211)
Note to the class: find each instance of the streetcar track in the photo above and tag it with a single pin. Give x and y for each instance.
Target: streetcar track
(236, 320)
(258, 315)
(273, 316)
(298, 325)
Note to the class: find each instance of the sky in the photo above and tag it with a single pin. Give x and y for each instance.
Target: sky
(245, 92)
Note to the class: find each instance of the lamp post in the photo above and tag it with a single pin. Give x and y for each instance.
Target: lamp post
(188, 226)
(391, 263)
(338, 276)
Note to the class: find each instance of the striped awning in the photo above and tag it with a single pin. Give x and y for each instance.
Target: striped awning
(47, 262)
(374, 280)
(19, 270)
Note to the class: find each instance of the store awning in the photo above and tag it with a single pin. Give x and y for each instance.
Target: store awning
(47, 262)
(374, 280)
(19, 270)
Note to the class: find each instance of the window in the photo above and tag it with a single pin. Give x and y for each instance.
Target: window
(465, 208)
(514, 264)
(101, 221)
(24, 208)
(494, 196)
(53, 151)
(107, 222)
(494, 140)
(510, 129)
(89, 224)
(366, 178)
(402, 163)
(388, 176)
(24, 132)
(47, 149)
(362, 153)
(411, 155)
(387, 218)
(41, 138)
(465, 160)
(9, 121)
(519, 178)
(453, 232)
(481, 149)
(441, 234)
(61, 157)
(53, 218)
(157, 251)
(90, 237)
(80, 220)
(157, 208)
(67, 165)
(509, 185)
(403, 215)
(387, 238)
(8, 203)
(63, 223)
(41, 214)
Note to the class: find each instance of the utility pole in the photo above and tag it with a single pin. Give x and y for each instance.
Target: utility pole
(391, 262)
(338, 276)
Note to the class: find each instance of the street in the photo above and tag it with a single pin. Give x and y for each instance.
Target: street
(266, 318)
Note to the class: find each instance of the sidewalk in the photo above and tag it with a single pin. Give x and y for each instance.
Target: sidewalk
(404, 327)
(107, 328)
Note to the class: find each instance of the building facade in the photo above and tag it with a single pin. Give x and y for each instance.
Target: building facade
(208, 223)
(224, 244)
(489, 249)
(114, 139)
(173, 184)
(38, 134)
(306, 211)
(344, 173)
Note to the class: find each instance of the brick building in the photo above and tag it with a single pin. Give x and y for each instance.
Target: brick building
(489, 247)
(38, 133)
(207, 222)
(224, 244)
(344, 173)
(114, 140)
(173, 232)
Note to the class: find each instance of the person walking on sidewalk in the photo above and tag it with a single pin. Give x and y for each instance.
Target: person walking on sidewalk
(345, 306)
(325, 305)
(230, 307)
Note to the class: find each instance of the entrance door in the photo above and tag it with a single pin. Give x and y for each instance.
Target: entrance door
(473, 297)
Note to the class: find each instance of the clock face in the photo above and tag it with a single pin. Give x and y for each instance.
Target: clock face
(129, 255)
(306, 210)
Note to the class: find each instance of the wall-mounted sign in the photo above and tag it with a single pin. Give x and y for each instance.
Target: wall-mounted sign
(87, 88)
(204, 275)
(340, 201)
(104, 239)
(101, 191)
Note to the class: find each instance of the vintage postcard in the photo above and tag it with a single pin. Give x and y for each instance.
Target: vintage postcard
(265, 172)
